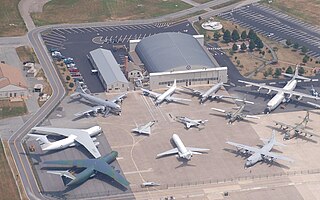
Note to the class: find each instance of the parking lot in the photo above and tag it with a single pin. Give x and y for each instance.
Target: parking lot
(78, 42)
(276, 25)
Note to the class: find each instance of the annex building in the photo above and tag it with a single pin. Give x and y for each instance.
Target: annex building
(109, 71)
(12, 82)
(169, 56)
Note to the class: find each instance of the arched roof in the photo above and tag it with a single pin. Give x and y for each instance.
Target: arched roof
(165, 52)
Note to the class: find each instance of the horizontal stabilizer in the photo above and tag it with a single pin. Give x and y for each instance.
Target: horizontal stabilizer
(252, 116)
(196, 150)
(62, 173)
(41, 139)
(244, 101)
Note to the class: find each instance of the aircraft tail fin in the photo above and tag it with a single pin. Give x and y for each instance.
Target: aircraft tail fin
(296, 74)
(273, 140)
(66, 176)
(41, 139)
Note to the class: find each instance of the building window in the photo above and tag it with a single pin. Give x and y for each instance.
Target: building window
(123, 85)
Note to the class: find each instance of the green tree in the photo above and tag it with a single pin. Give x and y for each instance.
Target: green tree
(68, 78)
(227, 36)
(243, 46)
(289, 70)
(71, 85)
(216, 35)
(234, 47)
(270, 71)
(252, 45)
(301, 70)
(305, 59)
(277, 73)
(238, 62)
(288, 42)
(252, 35)
(304, 49)
(259, 43)
(244, 35)
(265, 74)
(235, 35)
(296, 46)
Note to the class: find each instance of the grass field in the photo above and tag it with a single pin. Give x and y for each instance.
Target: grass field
(26, 53)
(11, 109)
(8, 188)
(76, 11)
(306, 10)
(11, 23)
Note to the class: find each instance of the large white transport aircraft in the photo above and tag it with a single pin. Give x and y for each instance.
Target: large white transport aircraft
(100, 105)
(166, 96)
(74, 137)
(260, 154)
(283, 94)
(181, 150)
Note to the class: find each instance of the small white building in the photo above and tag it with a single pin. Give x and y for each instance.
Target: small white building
(109, 70)
(12, 82)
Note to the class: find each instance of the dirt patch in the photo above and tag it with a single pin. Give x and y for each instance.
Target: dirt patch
(306, 10)
(8, 187)
(77, 11)
(11, 23)
(12, 108)
(26, 53)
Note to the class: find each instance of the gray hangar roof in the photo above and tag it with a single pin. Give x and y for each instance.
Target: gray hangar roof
(107, 66)
(172, 51)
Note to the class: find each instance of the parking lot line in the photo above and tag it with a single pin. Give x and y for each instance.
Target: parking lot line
(140, 171)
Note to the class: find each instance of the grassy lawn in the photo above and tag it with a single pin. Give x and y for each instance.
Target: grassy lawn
(225, 4)
(8, 188)
(306, 10)
(76, 11)
(11, 109)
(11, 23)
(26, 53)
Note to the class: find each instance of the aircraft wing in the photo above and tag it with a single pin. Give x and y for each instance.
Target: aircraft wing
(288, 92)
(189, 124)
(218, 110)
(285, 126)
(195, 92)
(150, 93)
(175, 99)
(276, 156)
(119, 98)
(306, 132)
(82, 137)
(193, 149)
(242, 146)
(169, 152)
(251, 116)
(109, 171)
(95, 109)
(69, 163)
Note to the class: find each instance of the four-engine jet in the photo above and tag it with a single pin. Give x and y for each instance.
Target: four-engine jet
(297, 129)
(92, 166)
(190, 122)
(262, 154)
(209, 94)
(283, 94)
(144, 129)
(100, 105)
(237, 115)
(181, 150)
(166, 96)
(74, 137)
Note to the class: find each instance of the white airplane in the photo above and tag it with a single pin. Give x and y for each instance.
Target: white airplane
(181, 150)
(190, 122)
(260, 154)
(75, 137)
(100, 105)
(283, 94)
(144, 129)
(209, 94)
(166, 96)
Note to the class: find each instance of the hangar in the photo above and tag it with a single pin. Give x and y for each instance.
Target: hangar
(169, 56)
(109, 71)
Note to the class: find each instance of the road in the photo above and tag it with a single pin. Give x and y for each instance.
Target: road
(16, 140)
(58, 92)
